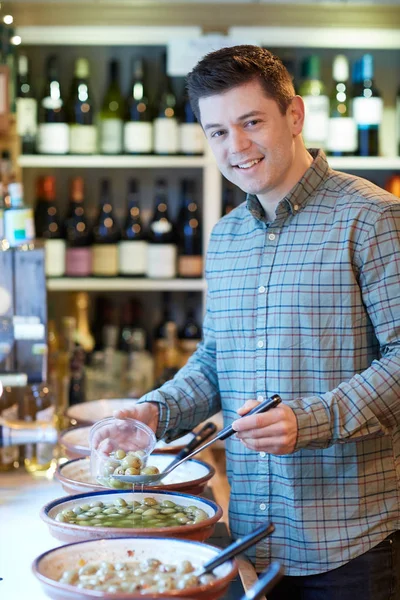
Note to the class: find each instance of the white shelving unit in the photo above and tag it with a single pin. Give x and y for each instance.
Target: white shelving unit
(39, 161)
(124, 284)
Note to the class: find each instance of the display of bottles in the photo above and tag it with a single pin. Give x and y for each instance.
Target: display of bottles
(166, 129)
(191, 136)
(112, 114)
(19, 227)
(312, 90)
(162, 249)
(132, 249)
(190, 260)
(78, 234)
(342, 130)
(52, 231)
(106, 235)
(138, 128)
(82, 130)
(26, 107)
(53, 131)
(367, 107)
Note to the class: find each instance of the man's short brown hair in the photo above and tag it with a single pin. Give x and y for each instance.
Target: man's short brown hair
(227, 68)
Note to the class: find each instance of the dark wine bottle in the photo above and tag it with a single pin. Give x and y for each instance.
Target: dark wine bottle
(53, 131)
(26, 105)
(78, 233)
(112, 114)
(106, 234)
(191, 136)
(367, 107)
(132, 249)
(52, 231)
(162, 249)
(190, 261)
(138, 128)
(166, 130)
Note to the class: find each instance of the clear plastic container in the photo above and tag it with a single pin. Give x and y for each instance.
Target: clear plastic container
(128, 435)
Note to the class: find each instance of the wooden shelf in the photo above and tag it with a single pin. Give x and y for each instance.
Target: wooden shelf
(37, 161)
(124, 284)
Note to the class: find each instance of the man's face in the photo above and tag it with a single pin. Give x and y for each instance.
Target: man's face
(252, 141)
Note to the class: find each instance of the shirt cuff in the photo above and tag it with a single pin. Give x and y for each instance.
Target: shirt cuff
(168, 412)
(313, 422)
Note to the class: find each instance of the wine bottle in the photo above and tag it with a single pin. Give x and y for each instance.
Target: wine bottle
(342, 130)
(190, 261)
(53, 131)
(312, 90)
(166, 130)
(112, 114)
(82, 131)
(162, 249)
(19, 226)
(138, 128)
(40, 207)
(160, 335)
(132, 249)
(367, 107)
(52, 232)
(228, 198)
(172, 358)
(191, 136)
(106, 236)
(190, 332)
(78, 235)
(26, 105)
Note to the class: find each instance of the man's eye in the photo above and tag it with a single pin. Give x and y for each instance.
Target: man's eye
(253, 122)
(217, 134)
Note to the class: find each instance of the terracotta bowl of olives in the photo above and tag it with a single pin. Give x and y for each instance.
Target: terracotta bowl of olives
(119, 513)
(132, 569)
(191, 477)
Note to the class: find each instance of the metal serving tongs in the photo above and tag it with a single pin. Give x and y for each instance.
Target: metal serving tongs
(236, 548)
(222, 435)
(267, 580)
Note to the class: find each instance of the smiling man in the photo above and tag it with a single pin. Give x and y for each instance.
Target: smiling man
(303, 301)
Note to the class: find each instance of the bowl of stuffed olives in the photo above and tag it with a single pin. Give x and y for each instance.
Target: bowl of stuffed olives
(191, 477)
(132, 569)
(119, 513)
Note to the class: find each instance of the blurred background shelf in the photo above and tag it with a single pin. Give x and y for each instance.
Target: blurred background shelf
(122, 284)
(37, 161)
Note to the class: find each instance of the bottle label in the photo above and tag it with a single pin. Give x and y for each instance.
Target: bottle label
(54, 258)
(111, 136)
(82, 139)
(166, 136)
(315, 130)
(19, 226)
(161, 261)
(138, 138)
(53, 138)
(132, 258)
(190, 266)
(162, 226)
(26, 116)
(342, 135)
(191, 138)
(78, 262)
(368, 111)
(105, 260)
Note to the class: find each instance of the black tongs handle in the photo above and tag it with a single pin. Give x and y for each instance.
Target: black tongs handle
(261, 408)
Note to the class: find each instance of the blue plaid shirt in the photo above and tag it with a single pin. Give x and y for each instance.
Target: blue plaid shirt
(307, 306)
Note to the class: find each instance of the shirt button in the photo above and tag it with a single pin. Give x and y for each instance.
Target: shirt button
(271, 236)
(261, 289)
(260, 397)
(296, 207)
(260, 343)
(263, 506)
(263, 454)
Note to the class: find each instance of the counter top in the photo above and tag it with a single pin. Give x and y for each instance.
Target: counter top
(24, 536)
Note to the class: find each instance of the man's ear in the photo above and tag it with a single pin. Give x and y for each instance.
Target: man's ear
(296, 112)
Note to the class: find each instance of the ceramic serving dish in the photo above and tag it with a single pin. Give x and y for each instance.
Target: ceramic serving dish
(48, 567)
(69, 532)
(191, 477)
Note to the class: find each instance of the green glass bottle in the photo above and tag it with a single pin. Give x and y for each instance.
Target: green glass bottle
(312, 90)
(112, 114)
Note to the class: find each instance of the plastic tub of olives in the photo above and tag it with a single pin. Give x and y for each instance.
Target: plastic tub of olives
(117, 513)
(125, 449)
